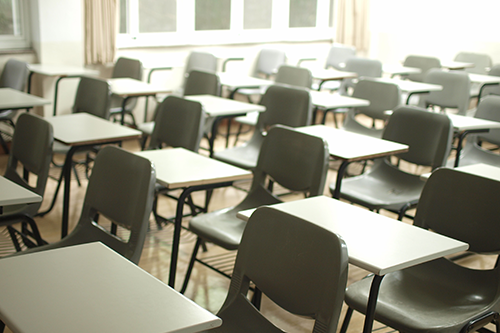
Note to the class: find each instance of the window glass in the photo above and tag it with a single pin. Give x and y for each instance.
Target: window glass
(123, 17)
(6, 17)
(212, 14)
(257, 14)
(303, 13)
(157, 15)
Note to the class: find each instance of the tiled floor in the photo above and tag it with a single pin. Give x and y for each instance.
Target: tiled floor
(206, 287)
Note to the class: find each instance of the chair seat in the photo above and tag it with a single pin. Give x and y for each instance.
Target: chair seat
(431, 291)
(221, 227)
(384, 186)
(249, 119)
(146, 128)
(242, 156)
(473, 154)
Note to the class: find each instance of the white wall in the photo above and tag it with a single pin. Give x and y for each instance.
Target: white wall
(440, 28)
(57, 37)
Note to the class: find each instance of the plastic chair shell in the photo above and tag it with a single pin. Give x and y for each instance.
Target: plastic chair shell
(284, 105)
(299, 265)
(120, 188)
(455, 93)
(425, 63)
(442, 296)
(385, 186)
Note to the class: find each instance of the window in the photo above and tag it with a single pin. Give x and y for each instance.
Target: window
(197, 22)
(13, 24)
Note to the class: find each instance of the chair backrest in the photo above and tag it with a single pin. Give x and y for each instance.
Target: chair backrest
(383, 96)
(482, 62)
(455, 93)
(299, 265)
(492, 89)
(202, 83)
(287, 106)
(121, 188)
(14, 75)
(268, 62)
(294, 76)
(428, 134)
(178, 123)
(365, 68)
(460, 205)
(32, 148)
(489, 109)
(201, 61)
(338, 55)
(295, 160)
(424, 63)
(93, 96)
(126, 67)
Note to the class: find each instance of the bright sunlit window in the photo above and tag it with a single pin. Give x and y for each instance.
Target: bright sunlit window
(198, 22)
(13, 24)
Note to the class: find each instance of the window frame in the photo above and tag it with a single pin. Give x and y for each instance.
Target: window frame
(21, 38)
(186, 35)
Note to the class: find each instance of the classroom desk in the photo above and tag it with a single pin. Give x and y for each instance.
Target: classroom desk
(81, 131)
(325, 75)
(11, 99)
(59, 71)
(128, 88)
(234, 82)
(14, 194)
(180, 168)
(411, 87)
(395, 69)
(480, 169)
(352, 147)
(326, 101)
(220, 108)
(465, 125)
(91, 288)
(376, 243)
(483, 81)
(456, 65)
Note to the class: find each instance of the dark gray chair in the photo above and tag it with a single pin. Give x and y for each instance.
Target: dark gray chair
(125, 68)
(424, 63)
(455, 93)
(288, 75)
(284, 105)
(14, 75)
(201, 61)
(266, 66)
(197, 83)
(120, 189)
(491, 89)
(93, 96)
(441, 295)
(298, 265)
(179, 123)
(473, 152)
(385, 186)
(338, 56)
(382, 96)
(482, 62)
(365, 68)
(295, 160)
(31, 149)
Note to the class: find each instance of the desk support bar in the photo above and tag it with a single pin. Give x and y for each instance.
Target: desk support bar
(178, 224)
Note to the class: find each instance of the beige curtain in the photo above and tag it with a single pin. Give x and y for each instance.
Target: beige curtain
(352, 24)
(101, 28)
